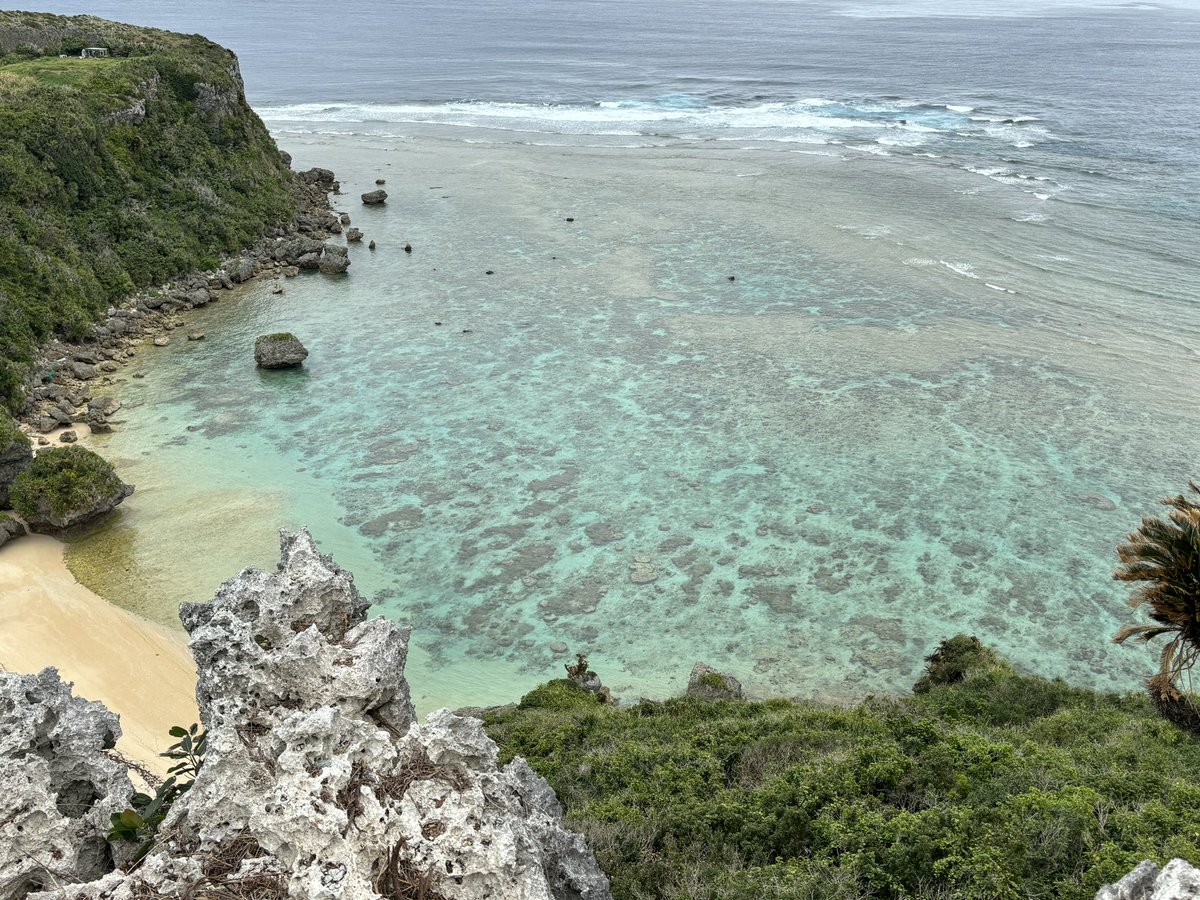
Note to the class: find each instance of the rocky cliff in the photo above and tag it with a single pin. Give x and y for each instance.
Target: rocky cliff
(317, 783)
(118, 173)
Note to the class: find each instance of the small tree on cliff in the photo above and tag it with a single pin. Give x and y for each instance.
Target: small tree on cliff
(1165, 554)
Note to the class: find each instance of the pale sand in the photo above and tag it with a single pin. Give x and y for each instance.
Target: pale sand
(137, 669)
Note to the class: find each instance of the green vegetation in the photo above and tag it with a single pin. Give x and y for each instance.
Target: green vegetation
(559, 694)
(987, 784)
(60, 481)
(1165, 554)
(117, 173)
(713, 680)
(139, 824)
(10, 434)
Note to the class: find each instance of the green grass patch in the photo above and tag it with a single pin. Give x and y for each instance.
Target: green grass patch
(990, 785)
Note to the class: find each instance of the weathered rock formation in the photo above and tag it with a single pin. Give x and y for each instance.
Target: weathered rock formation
(15, 455)
(279, 351)
(317, 782)
(10, 529)
(335, 261)
(374, 198)
(706, 683)
(67, 486)
(57, 787)
(1177, 880)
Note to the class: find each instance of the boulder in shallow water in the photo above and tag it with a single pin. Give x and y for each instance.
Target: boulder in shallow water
(67, 486)
(374, 198)
(354, 235)
(282, 350)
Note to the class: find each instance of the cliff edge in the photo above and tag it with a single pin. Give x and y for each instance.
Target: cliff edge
(118, 172)
(317, 781)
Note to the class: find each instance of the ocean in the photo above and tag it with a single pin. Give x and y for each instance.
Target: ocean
(814, 333)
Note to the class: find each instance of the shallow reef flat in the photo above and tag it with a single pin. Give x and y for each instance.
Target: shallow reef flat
(784, 423)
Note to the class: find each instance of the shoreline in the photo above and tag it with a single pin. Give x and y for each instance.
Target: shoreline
(137, 669)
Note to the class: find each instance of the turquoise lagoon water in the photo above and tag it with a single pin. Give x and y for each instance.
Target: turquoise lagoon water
(928, 401)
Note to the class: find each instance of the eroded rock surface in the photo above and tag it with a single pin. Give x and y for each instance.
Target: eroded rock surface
(279, 351)
(15, 456)
(706, 683)
(57, 786)
(1177, 880)
(317, 783)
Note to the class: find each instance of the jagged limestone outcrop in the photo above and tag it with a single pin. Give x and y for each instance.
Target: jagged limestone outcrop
(1177, 880)
(317, 782)
(57, 786)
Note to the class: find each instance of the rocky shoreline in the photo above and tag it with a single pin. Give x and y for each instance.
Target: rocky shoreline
(66, 386)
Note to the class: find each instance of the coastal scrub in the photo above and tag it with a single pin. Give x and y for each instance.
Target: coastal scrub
(992, 785)
(117, 173)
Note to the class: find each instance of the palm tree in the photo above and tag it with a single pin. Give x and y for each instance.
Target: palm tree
(1166, 555)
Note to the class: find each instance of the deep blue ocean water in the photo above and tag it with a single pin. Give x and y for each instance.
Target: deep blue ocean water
(958, 361)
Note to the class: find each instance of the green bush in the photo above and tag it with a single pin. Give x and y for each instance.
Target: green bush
(10, 434)
(990, 786)
(558, 694)
(61, 480)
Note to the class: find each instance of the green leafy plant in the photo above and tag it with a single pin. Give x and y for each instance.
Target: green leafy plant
(1165, 554)
(61, 480)
(989, 785)
(139, 823)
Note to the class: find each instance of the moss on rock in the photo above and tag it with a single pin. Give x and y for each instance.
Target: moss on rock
(66, 486)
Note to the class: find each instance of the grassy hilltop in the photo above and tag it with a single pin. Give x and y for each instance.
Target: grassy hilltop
(117, 173)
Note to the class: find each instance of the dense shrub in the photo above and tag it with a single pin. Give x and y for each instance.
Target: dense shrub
(94, 203)
(992, 785)
(10, 434)
(62, 480)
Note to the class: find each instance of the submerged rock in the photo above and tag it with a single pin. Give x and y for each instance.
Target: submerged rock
(374, 198)
(279, 351)
(57, 786)
(317, 782)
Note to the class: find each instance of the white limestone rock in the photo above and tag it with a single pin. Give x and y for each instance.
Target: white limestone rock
(318, 784)
(1177, 880)
(57, 786)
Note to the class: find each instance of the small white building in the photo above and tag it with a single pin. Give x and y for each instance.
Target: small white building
(94, 52)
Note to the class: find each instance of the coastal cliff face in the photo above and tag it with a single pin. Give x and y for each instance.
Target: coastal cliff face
(118, 173)
(317, 781)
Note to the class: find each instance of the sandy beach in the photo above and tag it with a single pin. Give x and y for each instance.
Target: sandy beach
(136, 668)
